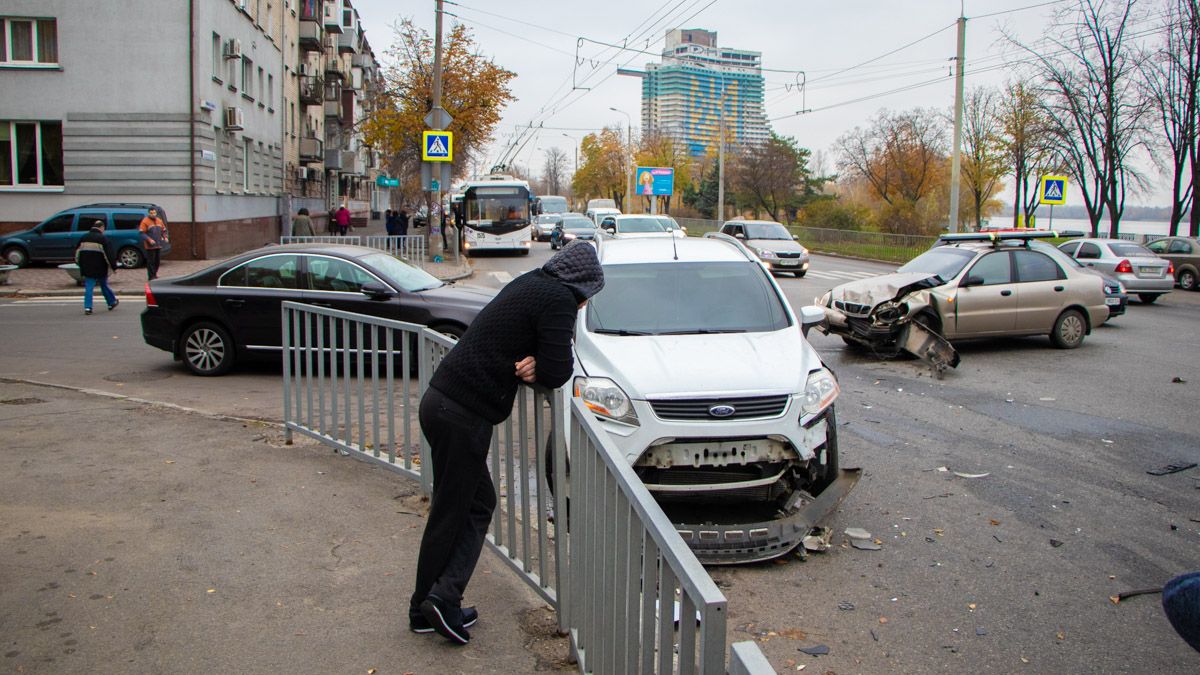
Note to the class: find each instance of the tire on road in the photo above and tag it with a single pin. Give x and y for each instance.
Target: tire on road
(1148, 298)
(207, 349)
(129, 257)
(1069, 329)
(1186, 279)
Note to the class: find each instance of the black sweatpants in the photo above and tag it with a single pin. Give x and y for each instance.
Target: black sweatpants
(463, 499)
(153, 256)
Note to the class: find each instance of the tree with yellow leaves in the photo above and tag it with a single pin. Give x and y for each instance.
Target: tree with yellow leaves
(658, 149)
(474, 92)
(602, 167)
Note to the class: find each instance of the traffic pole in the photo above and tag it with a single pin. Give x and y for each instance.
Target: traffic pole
(956, 161)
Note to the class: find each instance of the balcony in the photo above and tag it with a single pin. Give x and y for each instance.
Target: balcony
(333, 109)
(339, 160)
(347, 42)
(311, 149)
(334, 70)
(311, 90)
(362, 60)
(333, 17)
(312, 36)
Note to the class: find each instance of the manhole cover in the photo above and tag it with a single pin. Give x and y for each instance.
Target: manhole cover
(138, 376)
(21, 401)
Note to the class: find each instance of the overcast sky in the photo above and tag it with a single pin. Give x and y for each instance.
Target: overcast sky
(828, 40)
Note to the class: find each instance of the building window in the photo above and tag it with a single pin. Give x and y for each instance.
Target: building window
(247, 77)
(269, 22)
(28, 41)
(218, 57)
(31, 154)
(261, 90)
(271, 93)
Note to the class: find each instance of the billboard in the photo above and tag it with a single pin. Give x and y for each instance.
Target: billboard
(654, 180)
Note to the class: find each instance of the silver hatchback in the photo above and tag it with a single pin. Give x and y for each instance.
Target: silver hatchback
(1138, 268)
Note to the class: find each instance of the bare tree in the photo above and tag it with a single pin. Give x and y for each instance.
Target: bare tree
(1171, 80)
(1026, 144)
(902, 157)
(983, 159)
(554, 170)
(1095, 105)
(772, 173)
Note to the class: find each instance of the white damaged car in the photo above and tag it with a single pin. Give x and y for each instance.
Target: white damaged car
(698, 369)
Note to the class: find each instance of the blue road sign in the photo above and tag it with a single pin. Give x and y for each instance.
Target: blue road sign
(437, 146)
(1054, 190)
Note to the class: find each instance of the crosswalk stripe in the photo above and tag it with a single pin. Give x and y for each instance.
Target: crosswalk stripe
(823, 275)
(503, 277)
(863, 275)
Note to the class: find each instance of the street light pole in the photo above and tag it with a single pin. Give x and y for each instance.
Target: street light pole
(628, 169)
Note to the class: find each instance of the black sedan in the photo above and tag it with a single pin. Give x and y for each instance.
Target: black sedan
(231, 311)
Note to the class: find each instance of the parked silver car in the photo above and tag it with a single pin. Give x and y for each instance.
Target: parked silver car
(1135, 266)
(742, 451)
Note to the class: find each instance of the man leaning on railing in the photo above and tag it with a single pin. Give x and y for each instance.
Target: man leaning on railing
(523, 335)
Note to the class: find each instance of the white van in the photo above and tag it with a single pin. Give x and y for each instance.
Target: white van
(600, 212)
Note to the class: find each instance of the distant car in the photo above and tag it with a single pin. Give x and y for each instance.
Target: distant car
(672, 226)
(545, 223)
(230, 312)
(600, 212)
(574, 226)
(631, 226)
(1135, 266)
(772, 243)
(968, 286)
(1184, 254)
(56, 238)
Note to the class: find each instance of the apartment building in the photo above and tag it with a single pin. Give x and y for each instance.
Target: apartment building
(698, 86)
(196, 106)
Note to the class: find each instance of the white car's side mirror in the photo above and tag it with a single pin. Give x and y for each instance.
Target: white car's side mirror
(810, 317)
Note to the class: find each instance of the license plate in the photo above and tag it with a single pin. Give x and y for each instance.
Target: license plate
(789, 263)
(1156, 271)
(1112, 301)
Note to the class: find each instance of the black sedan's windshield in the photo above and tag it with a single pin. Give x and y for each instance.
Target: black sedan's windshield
(944, 261)
(401, 274)
(767, 231)
(578, 223)
(685, 298)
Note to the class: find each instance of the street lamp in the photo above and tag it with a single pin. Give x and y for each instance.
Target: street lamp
(629, 170)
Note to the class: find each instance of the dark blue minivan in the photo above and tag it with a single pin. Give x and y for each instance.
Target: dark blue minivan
(55, 239)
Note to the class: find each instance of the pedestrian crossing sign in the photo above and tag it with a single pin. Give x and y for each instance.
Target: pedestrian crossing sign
(437, 146)
(1054, 190)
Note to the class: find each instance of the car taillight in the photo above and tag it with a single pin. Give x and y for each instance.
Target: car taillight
(1124, 267)
(1170, 268)
(150, 301)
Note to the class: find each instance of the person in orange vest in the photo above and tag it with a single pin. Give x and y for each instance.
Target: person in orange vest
(154, 235)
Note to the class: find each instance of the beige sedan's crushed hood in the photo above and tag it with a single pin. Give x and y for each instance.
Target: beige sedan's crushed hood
(870, 292)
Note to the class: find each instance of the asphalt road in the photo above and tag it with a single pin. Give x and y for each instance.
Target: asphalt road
(1006, 572)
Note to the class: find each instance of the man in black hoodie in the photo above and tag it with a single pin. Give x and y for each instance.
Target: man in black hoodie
(94, 262)
(523, 335)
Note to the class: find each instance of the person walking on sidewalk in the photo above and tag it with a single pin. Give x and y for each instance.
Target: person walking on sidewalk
(302, 224)
(154, 235)
(343, 220)
(95, 261)
(522, 335)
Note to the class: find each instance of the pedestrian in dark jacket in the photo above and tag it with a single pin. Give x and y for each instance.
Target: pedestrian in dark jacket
(331, 226)
(154, 237)
(95, 260)
(522, 335)
(389, 223)
(402, 223)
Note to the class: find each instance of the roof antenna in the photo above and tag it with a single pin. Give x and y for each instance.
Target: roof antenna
(674, 249)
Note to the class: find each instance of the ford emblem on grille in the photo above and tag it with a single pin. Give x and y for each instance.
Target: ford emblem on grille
(721, 410)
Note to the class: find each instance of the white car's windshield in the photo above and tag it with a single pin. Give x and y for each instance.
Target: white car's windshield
(404, 276)
(577, 223)
(943, 261)
(685, 298)
(767, 231)
(639, 225)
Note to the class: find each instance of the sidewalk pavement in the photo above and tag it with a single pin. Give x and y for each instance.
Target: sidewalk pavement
(48, 280)
(141, 538)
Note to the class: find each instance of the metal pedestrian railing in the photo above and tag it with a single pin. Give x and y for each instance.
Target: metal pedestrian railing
(353, 240)
(409, 247)
(590, 539)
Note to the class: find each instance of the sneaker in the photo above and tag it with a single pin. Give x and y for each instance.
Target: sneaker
(114, 305)
(446, 620)
(87, 311)
(419, 624)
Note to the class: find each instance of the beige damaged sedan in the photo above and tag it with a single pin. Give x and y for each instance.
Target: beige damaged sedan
(969, 286)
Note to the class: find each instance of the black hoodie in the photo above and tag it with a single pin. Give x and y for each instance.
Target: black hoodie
(534, 315)
(93, 256)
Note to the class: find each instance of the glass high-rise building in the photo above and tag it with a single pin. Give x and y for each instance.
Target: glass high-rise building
(683, 95)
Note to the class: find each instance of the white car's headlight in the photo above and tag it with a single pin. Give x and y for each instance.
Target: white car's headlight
(823, 301)
(820, 391)
(803, 251)
(763, 253)
(603, 397)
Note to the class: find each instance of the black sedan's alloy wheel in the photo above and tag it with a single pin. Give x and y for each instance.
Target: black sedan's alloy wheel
(207, 349)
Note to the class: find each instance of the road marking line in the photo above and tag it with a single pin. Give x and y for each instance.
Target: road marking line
(863, 275)
(67, 300)
(503, 277)
(823, 275)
